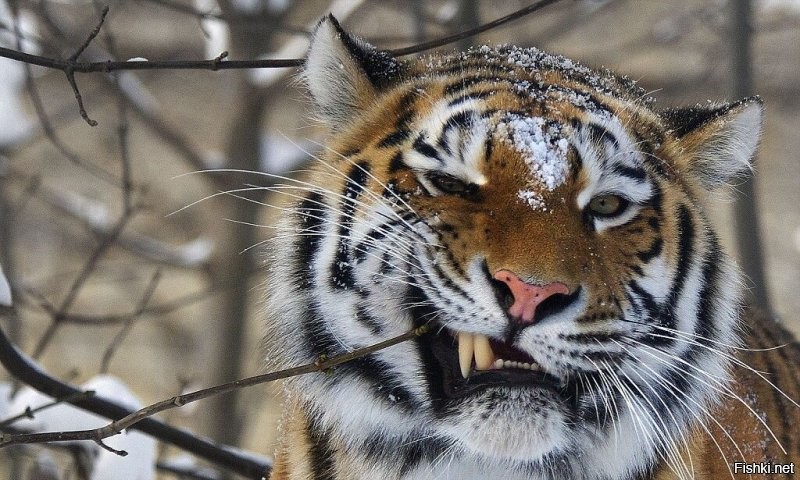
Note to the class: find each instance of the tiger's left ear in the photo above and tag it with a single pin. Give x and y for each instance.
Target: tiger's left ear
(718, 142)
(345, 73)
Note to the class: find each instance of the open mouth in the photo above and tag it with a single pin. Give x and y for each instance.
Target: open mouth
(461, 363)
(471, 363)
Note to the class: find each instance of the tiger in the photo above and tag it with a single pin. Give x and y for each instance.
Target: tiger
(545, 224)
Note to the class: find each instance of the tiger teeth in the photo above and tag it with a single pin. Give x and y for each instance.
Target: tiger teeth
(466, 347)
(475, 346)
(484, 356)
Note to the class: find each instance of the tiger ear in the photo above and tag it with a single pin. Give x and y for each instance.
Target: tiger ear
(345, 73)
(718, 141)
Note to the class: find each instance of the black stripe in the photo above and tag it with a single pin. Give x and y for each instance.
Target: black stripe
(601, 136)
(341, 276)
(488, 148)
(590, 337)
(384, 385)
(667, 315)
(364, 317)
(395, 138)
(321, 455)
(396, 163)
(706, 328)
(311, 216)
(653, 251)
(426, 149)
(464, 83)
(318, 339)
(370, 241)
(480, 95)
(388, 451)
(645, 299)
(577, 161)
(459, 120)
(686, 233)
(630, 172)
(350, 152)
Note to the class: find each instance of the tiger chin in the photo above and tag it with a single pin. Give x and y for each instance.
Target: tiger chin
(547, 223)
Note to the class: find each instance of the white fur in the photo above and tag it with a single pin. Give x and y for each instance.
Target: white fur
(332, 75)
(731, 147)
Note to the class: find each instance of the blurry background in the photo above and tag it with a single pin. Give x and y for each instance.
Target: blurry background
(106, 280)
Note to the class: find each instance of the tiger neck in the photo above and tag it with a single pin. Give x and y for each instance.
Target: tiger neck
(310, 449)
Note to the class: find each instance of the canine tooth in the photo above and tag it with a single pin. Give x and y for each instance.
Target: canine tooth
(484, 356)
(466, 346)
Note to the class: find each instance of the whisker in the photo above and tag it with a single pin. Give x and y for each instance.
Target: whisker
(721, 389)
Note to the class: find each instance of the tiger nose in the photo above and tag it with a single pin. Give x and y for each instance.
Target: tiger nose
(527, 296)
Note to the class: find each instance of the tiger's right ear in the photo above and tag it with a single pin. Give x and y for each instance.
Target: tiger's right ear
(345, 73)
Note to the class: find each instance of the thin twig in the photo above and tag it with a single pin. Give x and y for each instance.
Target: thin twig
(113, 428)
(92, 35)
(26, 371)
(122, 124)
(101, 320)
(44, 121)
(79, 282)
(214, 64)
(120, 336)
(70, 72)
(29, 412)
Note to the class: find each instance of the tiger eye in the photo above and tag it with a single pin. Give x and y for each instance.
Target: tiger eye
(449, 184)
(607, 205)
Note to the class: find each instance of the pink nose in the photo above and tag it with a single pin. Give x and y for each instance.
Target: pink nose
(527, 296)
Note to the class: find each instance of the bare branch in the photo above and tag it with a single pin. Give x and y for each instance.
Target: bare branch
(91, 36)
(72, 294)
(44, 121)
(70, 72)
(26, 371)
(93, 215)
(120, 336)
(128, 421)
(29, 412)
(215, 64)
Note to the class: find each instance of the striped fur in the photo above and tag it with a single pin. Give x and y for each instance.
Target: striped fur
(443, 171)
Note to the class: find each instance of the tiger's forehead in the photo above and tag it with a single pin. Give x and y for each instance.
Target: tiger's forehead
(527, 82)
(532, 72)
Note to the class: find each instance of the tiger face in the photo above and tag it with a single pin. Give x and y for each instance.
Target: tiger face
(546, 223)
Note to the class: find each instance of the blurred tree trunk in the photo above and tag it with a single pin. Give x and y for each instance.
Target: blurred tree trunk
(232, 263)
(746, 220)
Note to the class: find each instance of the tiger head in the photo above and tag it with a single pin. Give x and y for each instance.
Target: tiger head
(546, 222)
